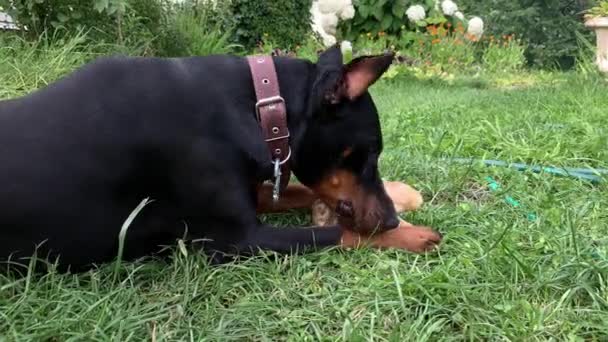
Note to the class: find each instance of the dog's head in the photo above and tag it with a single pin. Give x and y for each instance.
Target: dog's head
(340, 146)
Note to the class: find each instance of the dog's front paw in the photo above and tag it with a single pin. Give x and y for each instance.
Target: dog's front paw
(404, 197)
(416, 239)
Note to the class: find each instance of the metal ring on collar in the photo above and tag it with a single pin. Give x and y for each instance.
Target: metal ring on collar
(286, 158)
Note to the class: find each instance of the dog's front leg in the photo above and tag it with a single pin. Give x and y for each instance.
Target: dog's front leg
(290, 240)
(295, 196)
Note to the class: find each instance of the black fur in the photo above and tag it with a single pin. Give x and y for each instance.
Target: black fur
(79, 155)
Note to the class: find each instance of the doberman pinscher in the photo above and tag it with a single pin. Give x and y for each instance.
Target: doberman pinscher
(79, 155)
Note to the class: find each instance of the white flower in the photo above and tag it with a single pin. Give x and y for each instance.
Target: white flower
(329, 22)
(329, 40)
(333, 6)
(449, 7)
(346, 47)
(475, 27)
(348, 13)
(325, 16)
(459, 15)
(415, 13)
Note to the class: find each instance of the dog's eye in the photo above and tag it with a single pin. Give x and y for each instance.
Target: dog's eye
(355, 159)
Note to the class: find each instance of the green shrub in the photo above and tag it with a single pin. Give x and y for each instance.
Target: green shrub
(600, 10)
(309, 49)
(375, 16)
(195, 30)
(54, 16)
(32, 64)
(548, 27)
(505, 54)
(288, 23)
(132, 23)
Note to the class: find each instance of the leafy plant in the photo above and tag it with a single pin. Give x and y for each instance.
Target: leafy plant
(504, 54)
(385, 16)
(601, 10)
(120, 22)
(547, 28)
(450, 51)
(195, 30)
(288, 22)
(68, 15)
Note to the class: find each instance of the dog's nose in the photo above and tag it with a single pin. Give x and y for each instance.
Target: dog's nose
(391, 222)
(345, 209)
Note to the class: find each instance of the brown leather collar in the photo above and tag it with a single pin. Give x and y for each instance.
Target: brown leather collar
(271, 113)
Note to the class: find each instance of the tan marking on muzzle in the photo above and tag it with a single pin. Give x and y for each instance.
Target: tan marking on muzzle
(339, 185)
(342, 185)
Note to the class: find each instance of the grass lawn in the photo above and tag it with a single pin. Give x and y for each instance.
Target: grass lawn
(501, 274)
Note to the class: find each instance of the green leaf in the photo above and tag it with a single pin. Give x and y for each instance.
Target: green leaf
(398, 9)
(409, 36)
(377, 12)
(386, 22)
(121, 6)
(396, 26)
(62, 17)
(363, 11)
(369, 26)
(100, 5)
(421, 23)
(436, 20)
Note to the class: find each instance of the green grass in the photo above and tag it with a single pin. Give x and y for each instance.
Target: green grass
(498, 275)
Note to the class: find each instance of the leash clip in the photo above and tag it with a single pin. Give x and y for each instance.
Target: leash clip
(277, 180)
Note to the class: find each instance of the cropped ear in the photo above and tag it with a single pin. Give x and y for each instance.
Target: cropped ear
(339, 82)
(361, 73)
(330, 58)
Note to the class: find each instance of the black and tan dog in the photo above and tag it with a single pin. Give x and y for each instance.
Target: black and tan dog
(77, 156)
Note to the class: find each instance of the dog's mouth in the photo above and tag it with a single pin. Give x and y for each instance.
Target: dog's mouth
(346, 214)
(345, 209)
(369, 223)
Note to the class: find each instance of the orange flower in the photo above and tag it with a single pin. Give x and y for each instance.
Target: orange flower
(458, 41)
(433, 30)
(471, 37)
(436, 41)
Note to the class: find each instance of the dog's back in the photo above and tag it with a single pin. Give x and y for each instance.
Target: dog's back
(78, 155)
